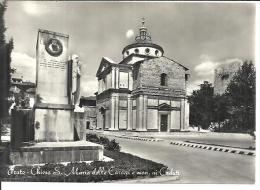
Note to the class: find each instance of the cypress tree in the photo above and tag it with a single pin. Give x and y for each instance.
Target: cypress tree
(2, 23)
(5, 64)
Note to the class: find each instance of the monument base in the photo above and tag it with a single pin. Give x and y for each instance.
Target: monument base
(53, 122)
(57, 152)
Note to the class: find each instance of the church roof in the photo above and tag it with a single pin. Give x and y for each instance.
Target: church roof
(109, 60)
(128, 58)
(105, 62)
(163, 57)
(177, 63)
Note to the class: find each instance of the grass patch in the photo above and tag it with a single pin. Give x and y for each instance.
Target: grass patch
(124, 166)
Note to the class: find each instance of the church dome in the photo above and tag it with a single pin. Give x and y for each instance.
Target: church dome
(143, 45)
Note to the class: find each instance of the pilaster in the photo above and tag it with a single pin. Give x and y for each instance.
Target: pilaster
(116, 77)
(140, 114)
(113, 77)
(144, 127)
(116, 112)
(112, 119)
(187, 113)
(129, 113)
(182, 114)
(130, 77)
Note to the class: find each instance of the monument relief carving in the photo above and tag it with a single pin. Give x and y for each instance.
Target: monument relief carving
(53, 47)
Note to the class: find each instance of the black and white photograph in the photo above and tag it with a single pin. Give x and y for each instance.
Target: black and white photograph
(128, 92)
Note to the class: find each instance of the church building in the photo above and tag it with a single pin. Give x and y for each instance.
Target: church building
(146, 91)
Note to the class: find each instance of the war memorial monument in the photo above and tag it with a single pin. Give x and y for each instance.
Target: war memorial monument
(53, 126)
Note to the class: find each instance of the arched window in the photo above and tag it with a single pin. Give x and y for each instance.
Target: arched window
(163, 79)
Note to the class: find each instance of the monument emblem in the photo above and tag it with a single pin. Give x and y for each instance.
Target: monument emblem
(53, 47)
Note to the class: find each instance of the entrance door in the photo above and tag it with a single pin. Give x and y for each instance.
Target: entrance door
(164, 122)
(87, 124)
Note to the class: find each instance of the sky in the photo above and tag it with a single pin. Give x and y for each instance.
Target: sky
(200, 36)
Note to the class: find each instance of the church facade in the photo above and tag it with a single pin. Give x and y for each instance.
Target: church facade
(146, 91)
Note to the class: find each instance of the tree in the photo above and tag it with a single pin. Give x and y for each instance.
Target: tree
(241, 94)
(201, 106)
(2, 23)
(220, 110)
(5, 62)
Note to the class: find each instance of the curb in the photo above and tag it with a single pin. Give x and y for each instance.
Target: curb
(140, 139)
(194, 145)
(215, 148)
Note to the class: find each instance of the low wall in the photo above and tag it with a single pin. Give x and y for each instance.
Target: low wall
(22, 128)
(57, 152)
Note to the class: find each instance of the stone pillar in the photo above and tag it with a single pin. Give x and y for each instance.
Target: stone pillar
(144, 127)
(130, 77)
(116, 112)
(139, 107)
(140, 114)
(134, 113)
(129, 113)
(112, 127)
(182, 114)
(187, 115)
(99, 86)
(113, 77)
(117, 77)
(107, 121)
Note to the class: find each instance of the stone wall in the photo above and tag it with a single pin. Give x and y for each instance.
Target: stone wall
(151, 70)
(152, 120)
(223, 76)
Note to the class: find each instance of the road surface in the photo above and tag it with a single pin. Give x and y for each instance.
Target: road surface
(195, 165)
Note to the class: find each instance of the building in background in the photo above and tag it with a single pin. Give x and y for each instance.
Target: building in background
(223, 75)
(146, 91)
(22, 92)
(85, 117)
(89, 105)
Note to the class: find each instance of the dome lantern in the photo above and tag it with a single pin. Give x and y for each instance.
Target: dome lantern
(143, 45)
(144, 36)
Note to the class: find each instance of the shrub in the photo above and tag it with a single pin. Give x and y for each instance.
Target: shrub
(113, 145)
(93, 138)
(104, 140)
(108, 144)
